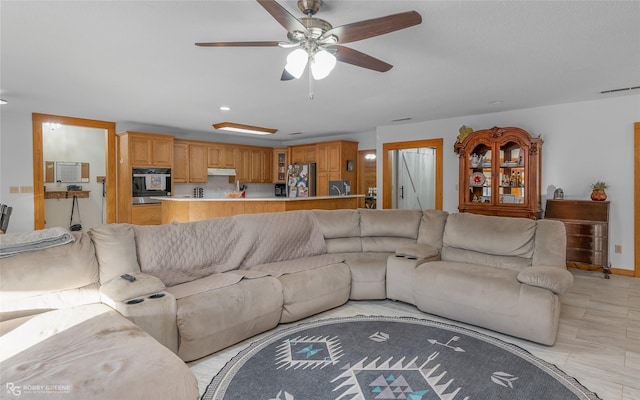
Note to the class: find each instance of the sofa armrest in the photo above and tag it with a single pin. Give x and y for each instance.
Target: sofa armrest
(556, 279)
(120, 290)
(418, 251)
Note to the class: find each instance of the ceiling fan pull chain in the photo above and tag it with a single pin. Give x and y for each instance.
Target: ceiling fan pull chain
(310, 81)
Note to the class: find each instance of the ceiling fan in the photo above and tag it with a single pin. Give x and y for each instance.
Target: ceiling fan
(319, 44)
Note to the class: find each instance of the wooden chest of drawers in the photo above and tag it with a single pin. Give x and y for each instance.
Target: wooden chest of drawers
(587, 226)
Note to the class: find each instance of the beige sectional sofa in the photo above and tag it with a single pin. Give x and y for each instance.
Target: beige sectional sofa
(203, 286)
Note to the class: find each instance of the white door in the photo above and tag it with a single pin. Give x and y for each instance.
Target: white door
(414, 183)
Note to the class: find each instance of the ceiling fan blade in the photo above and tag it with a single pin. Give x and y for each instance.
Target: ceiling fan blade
(374, 27)
(286, 76)
(238, 44)
(284, 17)
(357, 58)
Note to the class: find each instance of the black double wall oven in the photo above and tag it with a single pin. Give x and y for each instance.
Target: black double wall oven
(150, 182)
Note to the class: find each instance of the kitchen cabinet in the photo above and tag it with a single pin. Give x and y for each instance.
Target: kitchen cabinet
(260, 165)
(146, 214)
(139, 149)
(252, 164)
(189, 162)
(500, 173)
(220, 155)
(335, 160)
(180, 171)
(242, 164)
(150, 150)
(198, 163)
(303, 154)
(280, 165)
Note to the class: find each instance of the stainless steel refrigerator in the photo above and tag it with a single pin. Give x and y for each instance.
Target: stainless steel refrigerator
(301, 180)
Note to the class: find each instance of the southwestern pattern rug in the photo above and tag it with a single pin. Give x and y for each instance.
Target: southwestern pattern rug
(366, 358)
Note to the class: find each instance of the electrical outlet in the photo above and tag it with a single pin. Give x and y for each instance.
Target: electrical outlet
(14, 189)
(617, 248)
(26, 189)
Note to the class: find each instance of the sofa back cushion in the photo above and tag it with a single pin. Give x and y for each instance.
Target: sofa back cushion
(182, 252)
(115, 250)
(505, 242)
(341, 230)
(282, 236)
(386, 230)
(550, 243)
(432, 228)
(57, 277)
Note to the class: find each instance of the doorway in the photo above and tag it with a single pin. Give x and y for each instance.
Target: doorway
(105, 193)
(412, 174)
(367, 178)
(636, 229)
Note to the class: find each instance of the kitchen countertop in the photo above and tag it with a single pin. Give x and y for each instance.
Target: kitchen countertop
(259, 198)
(183, 209)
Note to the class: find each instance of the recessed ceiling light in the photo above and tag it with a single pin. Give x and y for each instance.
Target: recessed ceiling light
(401, 119)
(495, 103)
(3, 101)
(225, 108)
(233, 127)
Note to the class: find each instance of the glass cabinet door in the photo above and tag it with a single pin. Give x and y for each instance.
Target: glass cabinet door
(480, 173)
(512, 174)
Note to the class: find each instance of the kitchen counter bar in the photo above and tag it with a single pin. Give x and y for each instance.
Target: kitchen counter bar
(177, 209)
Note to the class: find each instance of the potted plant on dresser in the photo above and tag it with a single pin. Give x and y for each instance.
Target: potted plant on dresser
(598, 191)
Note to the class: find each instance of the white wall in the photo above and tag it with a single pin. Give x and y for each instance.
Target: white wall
(16, 166)
(76, 144)
(583, 142)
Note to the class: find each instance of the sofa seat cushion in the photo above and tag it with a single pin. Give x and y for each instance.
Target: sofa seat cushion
(215, 281)
(368, 275)
(92, 352)
(488, 297)
(280, 268)
(501, 236)
(315, 290)
(417, 251)
(211, 320)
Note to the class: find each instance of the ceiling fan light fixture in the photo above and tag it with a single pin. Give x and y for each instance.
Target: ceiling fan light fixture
(322, 64)
(233, 127)
(296, 62)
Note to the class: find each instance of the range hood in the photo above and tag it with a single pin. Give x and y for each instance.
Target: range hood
(221, 172)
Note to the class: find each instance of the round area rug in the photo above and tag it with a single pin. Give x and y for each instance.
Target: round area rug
(365, 358)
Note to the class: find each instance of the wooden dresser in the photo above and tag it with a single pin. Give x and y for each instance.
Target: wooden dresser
(587, 226)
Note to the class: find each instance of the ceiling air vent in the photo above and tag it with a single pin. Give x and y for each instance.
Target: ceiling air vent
(619, 90)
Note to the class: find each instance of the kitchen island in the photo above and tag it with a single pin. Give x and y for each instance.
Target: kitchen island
(176, 209)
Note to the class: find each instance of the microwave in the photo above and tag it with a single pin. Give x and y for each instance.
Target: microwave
(150, 182)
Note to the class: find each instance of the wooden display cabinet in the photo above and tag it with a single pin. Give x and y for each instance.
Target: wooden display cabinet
(500, 173)
(280, 165)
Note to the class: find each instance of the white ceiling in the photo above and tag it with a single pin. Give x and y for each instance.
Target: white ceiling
(135, 62)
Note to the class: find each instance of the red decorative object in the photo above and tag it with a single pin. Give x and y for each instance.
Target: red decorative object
(598, 195)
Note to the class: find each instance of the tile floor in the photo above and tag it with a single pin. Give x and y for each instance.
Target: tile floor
(598, 340)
